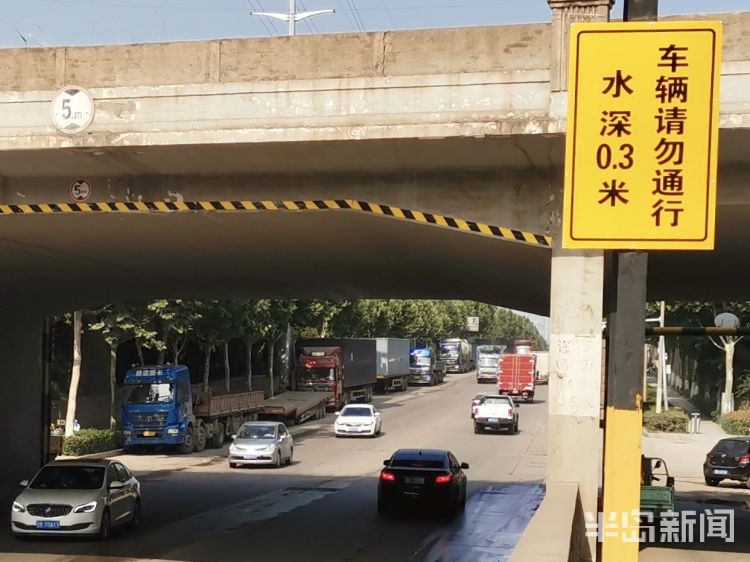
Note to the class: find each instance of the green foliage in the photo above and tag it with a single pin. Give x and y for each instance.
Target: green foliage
(91, 441)
(736, 423)
(671, 421)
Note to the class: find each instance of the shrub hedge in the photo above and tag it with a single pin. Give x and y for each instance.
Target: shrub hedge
(671, 421)
(736, 423)
(90, 441)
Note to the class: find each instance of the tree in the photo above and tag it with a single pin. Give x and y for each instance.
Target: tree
(698, 313)
(110, 322)
(279, 315)
(75, 375)
(207, 331)
(175, 319)
(251, 328)
(317, 316)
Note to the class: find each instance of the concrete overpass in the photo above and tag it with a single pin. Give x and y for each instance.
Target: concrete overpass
(461, 122)
(465, 123)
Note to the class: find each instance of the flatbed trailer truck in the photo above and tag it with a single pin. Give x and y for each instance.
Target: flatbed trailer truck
(161, 408)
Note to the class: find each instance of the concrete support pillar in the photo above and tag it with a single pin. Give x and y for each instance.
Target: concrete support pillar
(21, 398)
(576, 311)
(565, 12)
(575, 380)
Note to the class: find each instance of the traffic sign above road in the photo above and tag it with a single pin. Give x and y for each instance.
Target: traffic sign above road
(641, 148)
(72, 110)
(80, 190)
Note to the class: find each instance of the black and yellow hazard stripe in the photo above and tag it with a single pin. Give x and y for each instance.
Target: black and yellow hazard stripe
(304, 205)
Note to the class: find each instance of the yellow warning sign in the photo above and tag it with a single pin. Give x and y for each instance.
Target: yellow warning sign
(641, 148)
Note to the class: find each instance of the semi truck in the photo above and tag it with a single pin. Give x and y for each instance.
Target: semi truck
(162, 408)
(516, 372)
(345, 368)
(488, 358)
(393, 364)
(457, 356)
(424, 367)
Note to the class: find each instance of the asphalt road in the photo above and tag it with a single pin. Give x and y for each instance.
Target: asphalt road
(322, 508)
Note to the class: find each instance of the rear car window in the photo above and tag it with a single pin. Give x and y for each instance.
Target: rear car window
(733, 447)
(418, 463)
(496, 400)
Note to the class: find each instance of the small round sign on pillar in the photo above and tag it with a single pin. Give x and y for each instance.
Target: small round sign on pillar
(80, 190)
(72, 110)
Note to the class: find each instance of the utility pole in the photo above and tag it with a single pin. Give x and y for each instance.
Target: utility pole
(293, 16)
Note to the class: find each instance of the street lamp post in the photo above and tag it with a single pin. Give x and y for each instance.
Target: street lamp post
(293, 16)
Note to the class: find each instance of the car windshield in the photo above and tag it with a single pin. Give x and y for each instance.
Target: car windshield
(356, 411)
(418, 463)
(257, 432)
(734, 447)
(449, 349)
(69, 478)
(420, 360)
(317, 374)
(497, 400)
(149, 393)
(490, 350)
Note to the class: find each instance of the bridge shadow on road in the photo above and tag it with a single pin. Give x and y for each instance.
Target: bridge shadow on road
(277, 515)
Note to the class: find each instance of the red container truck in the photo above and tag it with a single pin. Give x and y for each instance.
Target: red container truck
(516, 372)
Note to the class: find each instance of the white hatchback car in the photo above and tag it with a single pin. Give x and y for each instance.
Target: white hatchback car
(357, 419)
(77, 498)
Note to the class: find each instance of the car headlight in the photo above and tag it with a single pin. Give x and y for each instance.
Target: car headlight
(371, 422)
(235, 449)
(270, 448)
(173, 431)
(18, 508)
(85, 508)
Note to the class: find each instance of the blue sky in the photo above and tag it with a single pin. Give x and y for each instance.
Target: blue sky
(86, 22)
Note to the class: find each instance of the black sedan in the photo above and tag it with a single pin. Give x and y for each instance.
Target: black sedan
(728, 460)
(422, 477)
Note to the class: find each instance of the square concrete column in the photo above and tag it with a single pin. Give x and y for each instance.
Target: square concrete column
(576, 311)
(21, 401)
(575, 380)
(565, 12)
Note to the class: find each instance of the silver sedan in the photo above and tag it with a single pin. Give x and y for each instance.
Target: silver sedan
(264, 443)
(77, 498)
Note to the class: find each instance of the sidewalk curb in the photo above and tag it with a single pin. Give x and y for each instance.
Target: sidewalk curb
(92, 456)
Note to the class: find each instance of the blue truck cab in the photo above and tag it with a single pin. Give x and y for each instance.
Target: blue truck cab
(158, 406)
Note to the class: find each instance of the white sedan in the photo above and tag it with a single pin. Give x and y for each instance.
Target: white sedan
(359, 419)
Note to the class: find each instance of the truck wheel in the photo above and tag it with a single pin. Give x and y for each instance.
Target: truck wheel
(217, 439)
(200, 439)
(187, 447)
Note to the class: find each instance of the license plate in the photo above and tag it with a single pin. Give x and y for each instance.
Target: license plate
(47, 524)
(250, 457)
(493, 420)
(413, 480)
(149, 434)
(717, 471)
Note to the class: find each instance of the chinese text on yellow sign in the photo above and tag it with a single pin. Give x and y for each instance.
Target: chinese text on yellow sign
(641, 150)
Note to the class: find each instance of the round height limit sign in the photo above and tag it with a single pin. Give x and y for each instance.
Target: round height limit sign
(72, 110)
